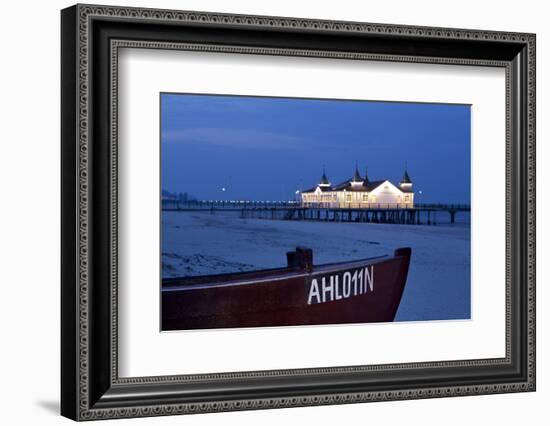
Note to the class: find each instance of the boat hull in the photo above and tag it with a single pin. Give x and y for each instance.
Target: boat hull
(362, 291)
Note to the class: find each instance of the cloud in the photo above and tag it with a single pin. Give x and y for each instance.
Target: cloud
(177, 104)
(226, 137)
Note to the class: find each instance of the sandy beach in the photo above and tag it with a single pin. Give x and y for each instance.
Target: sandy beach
(438, 285)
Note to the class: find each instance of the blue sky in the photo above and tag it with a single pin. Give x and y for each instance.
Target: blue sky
(260, 148)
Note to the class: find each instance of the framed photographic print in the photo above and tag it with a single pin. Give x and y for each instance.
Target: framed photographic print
(263, 212)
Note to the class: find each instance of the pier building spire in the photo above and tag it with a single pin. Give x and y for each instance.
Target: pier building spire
(324, 180)
(406, 182)
(356, 176)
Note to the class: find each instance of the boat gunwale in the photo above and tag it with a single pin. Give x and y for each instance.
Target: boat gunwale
(286, 273)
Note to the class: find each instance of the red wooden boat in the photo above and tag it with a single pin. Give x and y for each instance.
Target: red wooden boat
(361, 291)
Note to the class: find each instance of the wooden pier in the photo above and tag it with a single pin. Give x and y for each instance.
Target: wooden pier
(420, 214)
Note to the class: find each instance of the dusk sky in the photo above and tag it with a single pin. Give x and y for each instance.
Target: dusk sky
(260, 148)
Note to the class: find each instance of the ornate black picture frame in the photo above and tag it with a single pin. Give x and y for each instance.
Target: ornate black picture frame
(91, 387)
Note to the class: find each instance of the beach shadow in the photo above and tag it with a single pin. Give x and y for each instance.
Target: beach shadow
(50, 406)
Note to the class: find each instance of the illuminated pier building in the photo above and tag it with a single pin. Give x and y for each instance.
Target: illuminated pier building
(359, 192)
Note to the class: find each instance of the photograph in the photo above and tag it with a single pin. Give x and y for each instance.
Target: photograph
(281, 211)
(264, 209)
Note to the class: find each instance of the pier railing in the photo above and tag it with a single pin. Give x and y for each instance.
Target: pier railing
(240, 204)
(334, 212)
